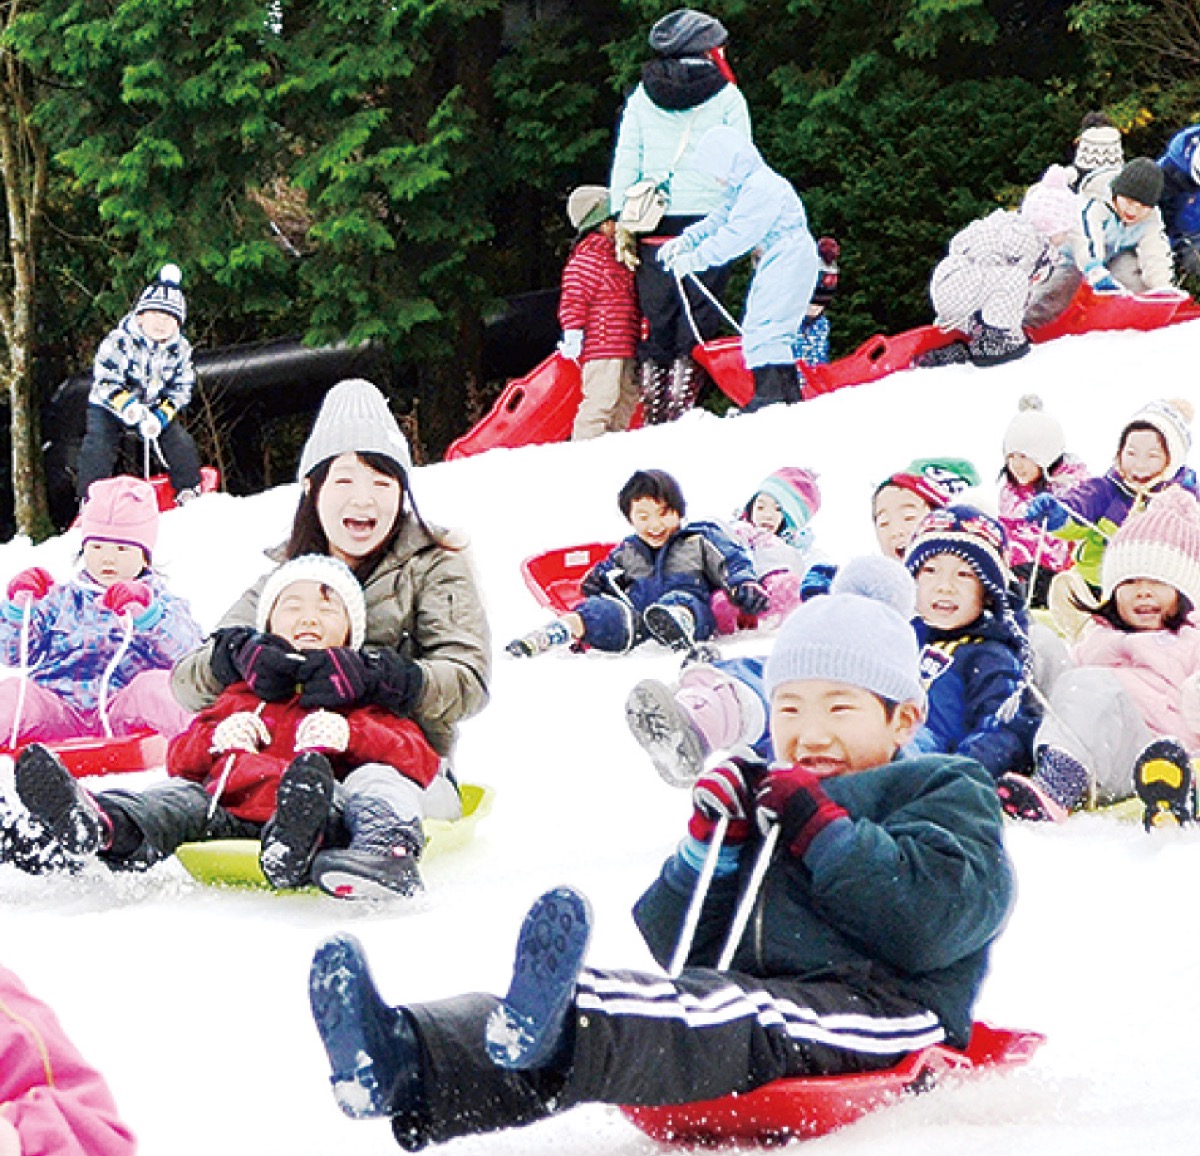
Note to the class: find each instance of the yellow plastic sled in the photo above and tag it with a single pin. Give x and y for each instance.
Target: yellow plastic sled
(234, 862)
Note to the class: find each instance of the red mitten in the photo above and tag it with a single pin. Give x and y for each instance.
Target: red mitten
(128, 594)
(795, 799)
(30, 585)
(724, 791)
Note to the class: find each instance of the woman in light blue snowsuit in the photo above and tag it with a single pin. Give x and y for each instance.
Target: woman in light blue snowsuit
(761, 211)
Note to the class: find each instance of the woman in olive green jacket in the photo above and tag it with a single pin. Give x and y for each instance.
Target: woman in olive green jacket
(427, 654)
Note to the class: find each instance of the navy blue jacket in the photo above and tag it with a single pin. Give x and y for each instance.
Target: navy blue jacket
(905, 896)
(977, 705)
(699, 558)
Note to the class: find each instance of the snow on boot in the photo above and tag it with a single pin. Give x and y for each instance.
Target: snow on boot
(547, 637)
(1057, 787)
(530, 1027)
(53, 797)
(774, 385)
(27, 844)
(374, 1055)
(671, 625)
(381, 861)
(291, 838)
(1162, 777)
(683, 387)
(664, 731)
(655, 387)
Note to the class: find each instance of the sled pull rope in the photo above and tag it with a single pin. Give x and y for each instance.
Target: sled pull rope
(687, 305)
(703, 883)
(225, 772)
(746, 904)
(24, 674)
(110, 669)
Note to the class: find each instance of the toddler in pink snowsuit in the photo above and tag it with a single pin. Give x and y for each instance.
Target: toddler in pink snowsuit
(95, 654)
(773, 527)
(51, 1101)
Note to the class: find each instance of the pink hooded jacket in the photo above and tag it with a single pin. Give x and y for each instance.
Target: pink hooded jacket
(58, 1105)
(1160, 670)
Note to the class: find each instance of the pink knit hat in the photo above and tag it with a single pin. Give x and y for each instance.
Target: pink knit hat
(123, 510)
(1050, 206)
(1162, 543)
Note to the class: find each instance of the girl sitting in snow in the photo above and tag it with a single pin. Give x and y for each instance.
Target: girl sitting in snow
(1150, 456)
(1035, 462)
(774, 529)
(248, 766)
(1127, 718)
(95, 653)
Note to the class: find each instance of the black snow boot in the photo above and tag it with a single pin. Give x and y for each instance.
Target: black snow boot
(70, 815)
(1162, 777)
(381, 861)
(291, 838)
(774, 385)
(990, 345)
(671, 625)
(655, 387)
(683, 388)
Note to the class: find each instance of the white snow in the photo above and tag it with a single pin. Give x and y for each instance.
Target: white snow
(193, 1000)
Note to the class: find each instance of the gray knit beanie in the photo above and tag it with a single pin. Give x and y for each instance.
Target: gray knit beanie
(354, 419)
(860, 634)
(685, 32)
(1140, 180)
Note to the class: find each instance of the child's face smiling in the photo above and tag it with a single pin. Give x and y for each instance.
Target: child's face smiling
(1142, 458)
(109, 562)
(357, 508)
(1144, 604)
(310, 616)
(898, 513)
(766, 514)
(1023, 468)
(157, 326)
(949, 594)
(653, 521)
(1131, 211)
(833, 728)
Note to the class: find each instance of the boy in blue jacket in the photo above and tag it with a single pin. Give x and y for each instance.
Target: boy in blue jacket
(1180, 200)
(657, 583)
(874, 921)
(975, 657)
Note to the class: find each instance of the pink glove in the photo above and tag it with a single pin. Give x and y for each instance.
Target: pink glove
(127, 594)
(323, 731)
(30, 585)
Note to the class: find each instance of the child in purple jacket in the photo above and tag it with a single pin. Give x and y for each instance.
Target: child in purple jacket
(95, 654)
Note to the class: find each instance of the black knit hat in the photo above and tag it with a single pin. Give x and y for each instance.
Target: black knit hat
(686, 31)
(1140, 180)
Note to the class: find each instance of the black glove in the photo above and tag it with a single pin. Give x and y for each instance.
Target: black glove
(271, 667)
(750, 597)
(227, 642)
(343, 676)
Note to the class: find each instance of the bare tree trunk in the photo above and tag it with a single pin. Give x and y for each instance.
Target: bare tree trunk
(24, 172)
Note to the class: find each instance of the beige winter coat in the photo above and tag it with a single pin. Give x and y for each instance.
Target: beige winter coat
(423, 600)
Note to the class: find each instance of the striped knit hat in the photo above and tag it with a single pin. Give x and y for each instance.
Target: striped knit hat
(969, 534)
(794, 490)
(164, 295)
(1162, 543)
(1172, 418)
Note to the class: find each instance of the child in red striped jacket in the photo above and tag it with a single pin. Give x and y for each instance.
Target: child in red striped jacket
(599, 314)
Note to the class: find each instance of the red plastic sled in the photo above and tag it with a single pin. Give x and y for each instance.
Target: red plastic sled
(210, 480)
(722, 360)
(806, 1107)
(1092, 312)
(141, 751)
(553, 577)
(875, 358)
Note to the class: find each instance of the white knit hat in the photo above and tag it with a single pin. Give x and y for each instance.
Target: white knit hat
(1034, 433)
(327, 571)
(354, 419)
(1172, 418)
(1099, 147)
(860, 633)
(1162, 542)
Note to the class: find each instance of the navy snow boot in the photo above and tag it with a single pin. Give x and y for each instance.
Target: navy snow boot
(1162, 777)
(671, 625)
(374, 1054)
(291, 839)
(66, 811)
(530, 1027)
